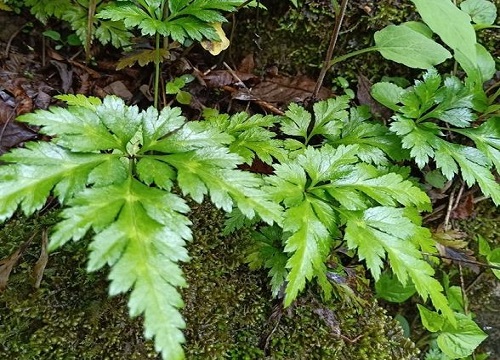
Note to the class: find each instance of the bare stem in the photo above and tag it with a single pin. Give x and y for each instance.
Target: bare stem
(339, 18)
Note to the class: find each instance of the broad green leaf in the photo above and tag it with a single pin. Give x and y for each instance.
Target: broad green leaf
(494, 259)
(383, 230)
(451, 24)
(455, 298)
(38, 169)
(461, 340)
(485, 63)
(481, 11)
(431, 320)
(387, 94)
(409, 47)
(389, 288)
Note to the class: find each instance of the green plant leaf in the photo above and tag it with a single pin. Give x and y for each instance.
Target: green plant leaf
(494, 259)
(267, 252)
(431, 320)
(387, 94)
(404, 45)
(309, 245)
(487, 139)
(252, 136)
(212, 170)
(451, 24)
(461, 340)
(143, 249)
(378, 231)
(39, 169)
(376, 144)
(389, 288)
(481, 11)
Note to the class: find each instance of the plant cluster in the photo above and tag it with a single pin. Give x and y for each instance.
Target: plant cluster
(338, 187)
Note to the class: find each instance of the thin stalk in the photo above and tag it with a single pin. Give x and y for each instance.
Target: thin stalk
(90, 23)
(331, 47)
(352, 54)
(157, 70)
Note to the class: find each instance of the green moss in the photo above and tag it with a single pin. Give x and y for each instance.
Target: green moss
(228, 310)
(296, 40)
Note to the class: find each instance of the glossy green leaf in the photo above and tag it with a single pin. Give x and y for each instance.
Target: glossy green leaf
(481, 11)
(451, 24)
(389, 288)
(404, 45)
(461, 340)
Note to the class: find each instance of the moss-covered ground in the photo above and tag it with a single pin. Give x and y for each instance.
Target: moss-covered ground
(228, 310)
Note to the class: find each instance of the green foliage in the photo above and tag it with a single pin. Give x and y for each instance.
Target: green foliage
(175, 86)
(184, 19)
(420, 112)
(456, 341)
(404, 45)
(390, 288)
(99, 166)
(76, 13)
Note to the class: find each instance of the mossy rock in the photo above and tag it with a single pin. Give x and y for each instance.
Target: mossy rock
(296, 39)
(228, 309)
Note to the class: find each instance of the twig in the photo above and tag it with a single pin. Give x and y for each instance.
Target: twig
(233, 74)
(463, 260)
(9, 43)
(331, 47)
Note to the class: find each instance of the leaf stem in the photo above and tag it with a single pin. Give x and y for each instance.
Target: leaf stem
(339, 18)
(157, 70)
(352, 54)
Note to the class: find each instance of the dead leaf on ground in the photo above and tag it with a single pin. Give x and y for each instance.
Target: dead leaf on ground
(283, 90)
(465, 208)
(364, 97)
(328, 316)
(7, 264)
(220, 78)
(65, 73)
(119, 89)
(39, 267)
(247, 65)
(12, 133)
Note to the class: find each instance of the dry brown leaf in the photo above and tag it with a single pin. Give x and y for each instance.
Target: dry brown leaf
(465, 208)
(283, 90)
(12, 133)
(118, 88)
(65, 73)
(247, 65)
(220, 78)
(7, 264)
(364, 98)
(39, 267)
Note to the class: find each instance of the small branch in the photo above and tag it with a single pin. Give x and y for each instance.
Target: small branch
(478, 263)
(339, 18)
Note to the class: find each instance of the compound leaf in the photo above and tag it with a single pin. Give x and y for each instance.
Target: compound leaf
(381, 231)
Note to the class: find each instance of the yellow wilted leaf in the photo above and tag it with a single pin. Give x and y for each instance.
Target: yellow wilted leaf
(4, 6)
(215, 47)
